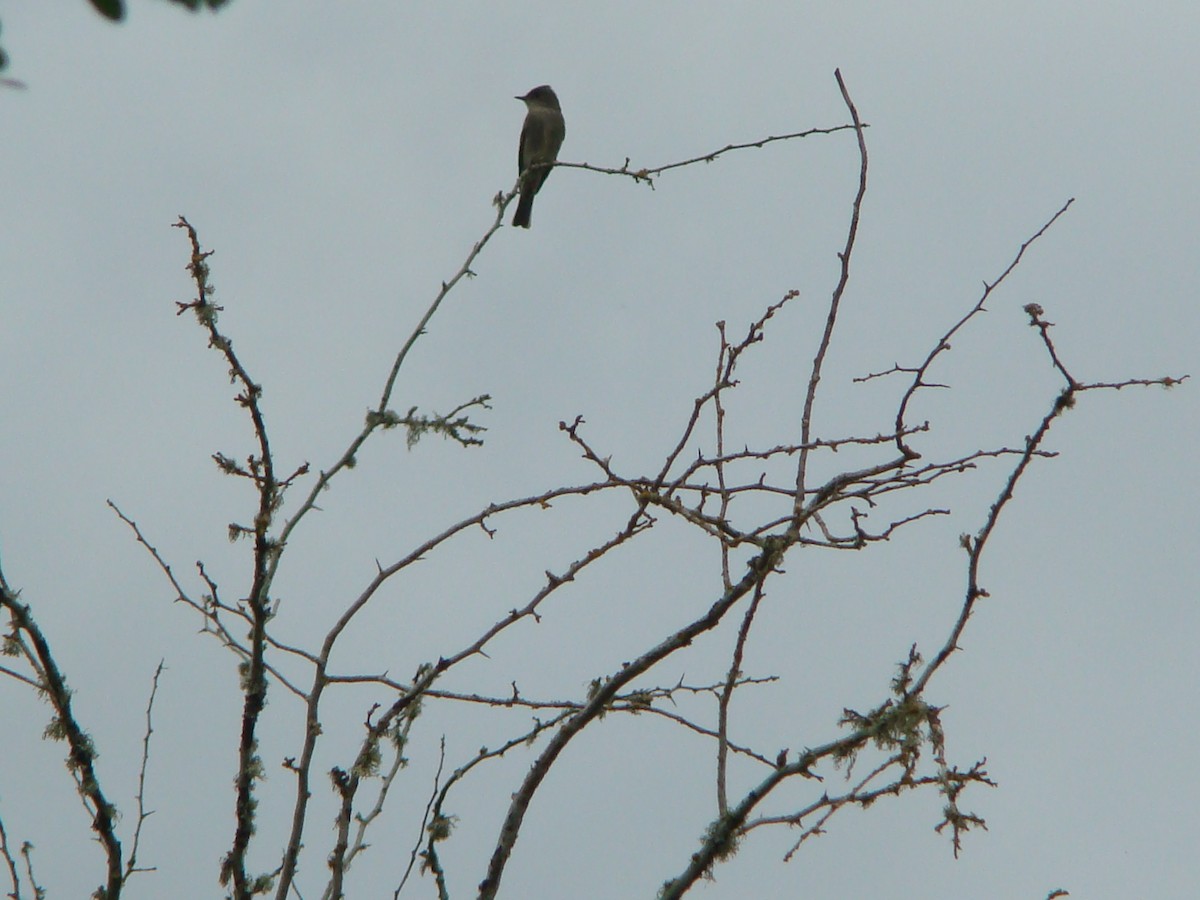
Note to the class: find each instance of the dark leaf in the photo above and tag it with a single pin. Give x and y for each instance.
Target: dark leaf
(110, 9)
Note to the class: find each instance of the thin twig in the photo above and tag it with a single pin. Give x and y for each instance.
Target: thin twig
(14, 877)
(647, 175)
(835, 301)
(943, 344)
(433, 795)
(142, 814)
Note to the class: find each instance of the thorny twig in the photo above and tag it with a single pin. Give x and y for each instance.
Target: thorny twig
(142, 814)
(906, 720)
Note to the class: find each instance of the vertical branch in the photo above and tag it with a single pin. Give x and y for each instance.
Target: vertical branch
(723, 515)
(260, 469)
(719, 426)
(425, 818)
(735, 671)
(303, 770)
(27, 858)
(142, 816)
(835, 301)
(14, 877)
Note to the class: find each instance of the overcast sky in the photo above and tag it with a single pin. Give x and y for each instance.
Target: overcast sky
(341, 160)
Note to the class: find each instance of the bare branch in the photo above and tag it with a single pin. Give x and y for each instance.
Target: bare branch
(835, 301)
(433, 796)
(14, 876)
(647, 175)
(943, 344)
(142, 814)
(82, 752)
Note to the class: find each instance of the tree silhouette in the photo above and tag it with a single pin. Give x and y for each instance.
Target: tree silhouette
(758, 504)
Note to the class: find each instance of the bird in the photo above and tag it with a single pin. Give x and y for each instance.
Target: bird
(541, 137)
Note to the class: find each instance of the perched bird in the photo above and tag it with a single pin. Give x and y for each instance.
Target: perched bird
(541, 136)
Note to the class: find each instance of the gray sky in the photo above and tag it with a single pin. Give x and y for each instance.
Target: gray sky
(341, 163)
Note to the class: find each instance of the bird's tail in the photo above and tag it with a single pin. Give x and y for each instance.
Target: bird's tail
(524, 211)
